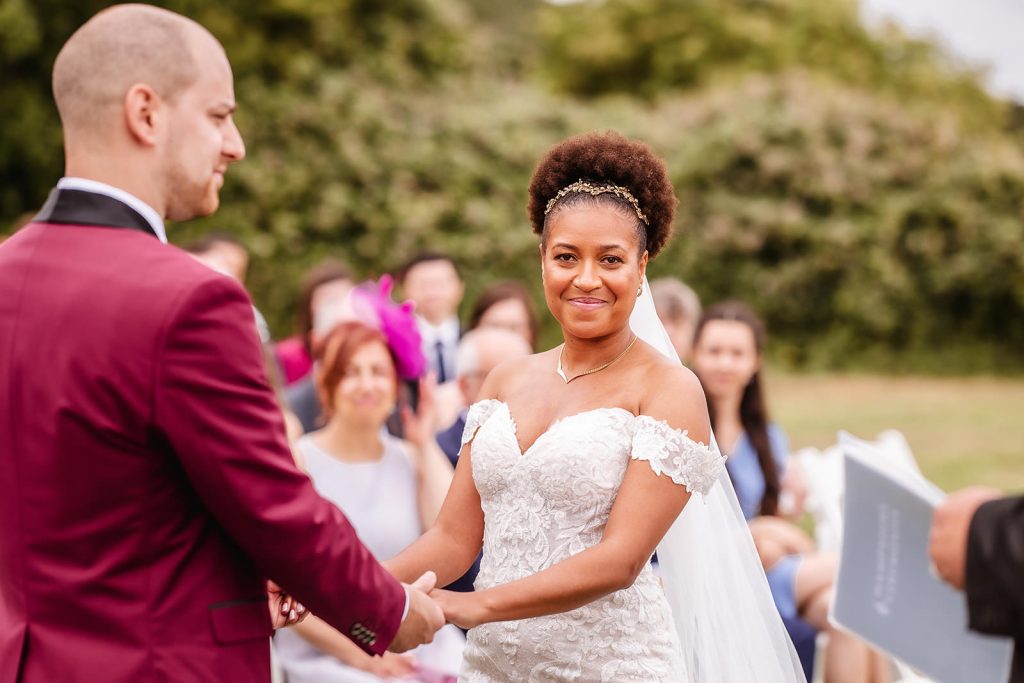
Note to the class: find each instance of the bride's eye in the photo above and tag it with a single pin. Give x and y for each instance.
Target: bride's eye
(565, 257)
(613, 260)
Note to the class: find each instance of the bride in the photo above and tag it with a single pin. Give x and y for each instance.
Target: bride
(587, 458)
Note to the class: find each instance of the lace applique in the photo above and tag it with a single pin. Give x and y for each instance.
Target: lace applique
(672, 452)
(479, 413)
(542, 507)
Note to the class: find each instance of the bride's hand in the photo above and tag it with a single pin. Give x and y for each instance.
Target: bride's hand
(284, 609)
(465, 610)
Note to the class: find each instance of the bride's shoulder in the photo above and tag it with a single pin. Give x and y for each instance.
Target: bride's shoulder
(508, 375)
(673, 394)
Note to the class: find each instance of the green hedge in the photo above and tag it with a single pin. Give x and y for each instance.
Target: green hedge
(872, 229)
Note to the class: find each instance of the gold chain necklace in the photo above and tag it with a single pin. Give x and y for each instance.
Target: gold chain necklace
(599, 368)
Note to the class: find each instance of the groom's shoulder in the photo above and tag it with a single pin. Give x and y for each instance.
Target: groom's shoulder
(162, 273)
(183, 295)
(186, 278)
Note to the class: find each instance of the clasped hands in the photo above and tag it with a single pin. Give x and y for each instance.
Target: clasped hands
(430, 608)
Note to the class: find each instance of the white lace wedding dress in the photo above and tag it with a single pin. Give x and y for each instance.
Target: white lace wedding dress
(552, 502)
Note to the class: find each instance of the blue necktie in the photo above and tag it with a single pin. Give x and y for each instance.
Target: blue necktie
(442, 376)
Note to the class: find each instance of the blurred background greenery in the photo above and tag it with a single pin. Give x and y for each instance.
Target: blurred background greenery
(860, 188)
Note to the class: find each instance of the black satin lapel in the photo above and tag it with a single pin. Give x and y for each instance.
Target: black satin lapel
(78, 207)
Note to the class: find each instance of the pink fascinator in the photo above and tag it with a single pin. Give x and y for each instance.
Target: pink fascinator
(372, 304)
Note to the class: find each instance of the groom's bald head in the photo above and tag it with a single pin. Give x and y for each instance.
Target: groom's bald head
(118, 48)
(147, 98)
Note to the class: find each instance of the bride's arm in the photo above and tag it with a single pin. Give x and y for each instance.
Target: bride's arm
(645, 508)
(449, 547)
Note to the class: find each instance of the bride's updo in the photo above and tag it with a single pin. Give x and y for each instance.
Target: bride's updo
(608, 169)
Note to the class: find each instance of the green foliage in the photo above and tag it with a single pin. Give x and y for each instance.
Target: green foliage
(653, 47)
(856, 225)
(382, 177)
(861, 191)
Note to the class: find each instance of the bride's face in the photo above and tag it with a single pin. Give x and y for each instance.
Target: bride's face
(592, 268)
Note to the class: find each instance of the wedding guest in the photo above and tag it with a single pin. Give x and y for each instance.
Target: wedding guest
(322, 305)
(505, 305)
(390, 489)
(154, 491)
(433, 283)
(328, 281)
(679, 309)
(977, 546)
(727, 357)
(222, 252)
(480, 351)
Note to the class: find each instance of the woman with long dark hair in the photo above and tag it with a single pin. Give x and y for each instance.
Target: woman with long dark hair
(727, 350)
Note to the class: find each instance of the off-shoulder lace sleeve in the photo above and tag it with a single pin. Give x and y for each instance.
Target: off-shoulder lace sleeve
(479, 413)
(671, 452)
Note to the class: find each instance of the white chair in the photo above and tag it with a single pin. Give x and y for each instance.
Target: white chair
(823, 474)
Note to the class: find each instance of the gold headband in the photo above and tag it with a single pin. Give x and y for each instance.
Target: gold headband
(594, 190)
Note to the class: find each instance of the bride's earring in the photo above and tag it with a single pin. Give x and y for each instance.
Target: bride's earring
(640, 290)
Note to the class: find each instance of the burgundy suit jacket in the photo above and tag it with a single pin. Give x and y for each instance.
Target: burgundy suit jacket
(147, 487)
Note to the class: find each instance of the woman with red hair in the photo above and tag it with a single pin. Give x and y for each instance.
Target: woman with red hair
(390, 489)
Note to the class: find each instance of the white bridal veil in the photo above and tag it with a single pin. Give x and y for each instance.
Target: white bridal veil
(723, 610)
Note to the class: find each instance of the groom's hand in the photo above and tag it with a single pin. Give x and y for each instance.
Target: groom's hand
(424, 617)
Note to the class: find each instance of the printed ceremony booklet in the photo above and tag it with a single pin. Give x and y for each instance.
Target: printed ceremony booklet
(887, 591)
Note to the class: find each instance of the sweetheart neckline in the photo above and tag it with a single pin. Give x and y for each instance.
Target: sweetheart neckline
(557, 422)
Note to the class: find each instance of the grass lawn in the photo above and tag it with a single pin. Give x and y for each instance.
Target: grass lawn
(962, 430)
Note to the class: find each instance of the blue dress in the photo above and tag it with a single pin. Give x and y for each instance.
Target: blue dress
(748, 480)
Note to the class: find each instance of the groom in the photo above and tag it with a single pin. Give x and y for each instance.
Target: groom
(148, 490)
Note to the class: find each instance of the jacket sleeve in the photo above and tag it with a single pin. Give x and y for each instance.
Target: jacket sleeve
(995, 568)
(213, 405)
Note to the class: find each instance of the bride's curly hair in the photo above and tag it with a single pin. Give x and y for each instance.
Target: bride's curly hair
(606, 158)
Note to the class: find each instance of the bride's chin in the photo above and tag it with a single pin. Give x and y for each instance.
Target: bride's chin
(587, 331)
